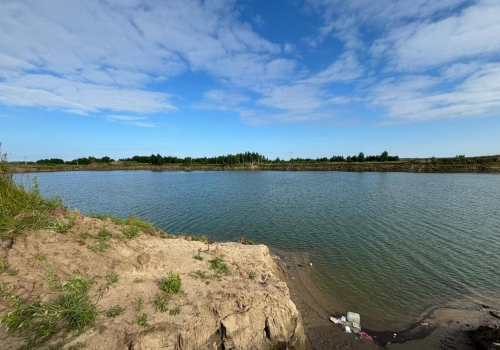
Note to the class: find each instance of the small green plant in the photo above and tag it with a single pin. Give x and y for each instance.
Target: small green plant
(175, 311)
(142, 320)
(38, 322)
(131, 231)
(77, 346)
(147, 227)
(4, 265)
(138, 280)
(50, 276)
(40, 256)
(202, 275)
(219, 266)
(111, 279)
(171, 284)
(161, 301)
(62, 227)
(13, 272)
(252, 275)
(198, 256)
(117, 220)
(104, 234)
(114, 311)
(101, 241)
(3, 289)
(139, 304)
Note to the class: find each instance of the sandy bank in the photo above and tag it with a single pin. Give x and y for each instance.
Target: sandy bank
(243, 306)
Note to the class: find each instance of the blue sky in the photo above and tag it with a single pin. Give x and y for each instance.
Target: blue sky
(304, 78)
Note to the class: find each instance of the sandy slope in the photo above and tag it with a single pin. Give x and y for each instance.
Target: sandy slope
(221, 312)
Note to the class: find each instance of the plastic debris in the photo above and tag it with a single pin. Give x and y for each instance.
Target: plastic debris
(356, 327)
(343, 319)
(395, 335)
(366, 335)
(424, 324)
(353, 317)
(347, 329)
(336, 320)
(310, 264)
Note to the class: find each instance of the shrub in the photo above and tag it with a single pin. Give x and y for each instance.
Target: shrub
(171, 284)
(219, 266)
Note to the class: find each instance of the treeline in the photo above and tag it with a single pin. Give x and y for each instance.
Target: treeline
(247, 158)
(384, 157)
(230, 159)
(78, 161)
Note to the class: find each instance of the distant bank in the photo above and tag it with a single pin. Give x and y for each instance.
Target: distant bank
(464, 165)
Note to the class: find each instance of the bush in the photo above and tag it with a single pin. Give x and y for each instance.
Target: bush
(171, 284)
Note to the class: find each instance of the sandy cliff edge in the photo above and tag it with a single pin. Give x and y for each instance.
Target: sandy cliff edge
(248, 308)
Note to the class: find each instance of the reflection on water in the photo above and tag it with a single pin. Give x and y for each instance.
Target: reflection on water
(387, 245)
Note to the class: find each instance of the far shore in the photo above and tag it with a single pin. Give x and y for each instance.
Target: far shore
(399, 166)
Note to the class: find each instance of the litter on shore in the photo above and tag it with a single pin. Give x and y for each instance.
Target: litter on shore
(351, 324)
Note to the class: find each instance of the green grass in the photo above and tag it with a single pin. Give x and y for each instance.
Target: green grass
(22, 208)
(201, 275)
(198, 256)
(145, 226)
(131, 231)
(13, 272)
(39, 256)
(142, 320)
(161, 301)
(171, 284)
(104, 217)
(4, 265)
(63, 227)
(138, 280)
(114, 311)
(175, 311)
(252, 275)
(139, 304)
(73, 310)
(111, 279)
(50, 276)
(219, 266)
(101, 241)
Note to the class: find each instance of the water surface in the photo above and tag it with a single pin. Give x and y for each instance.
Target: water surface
(386, 245)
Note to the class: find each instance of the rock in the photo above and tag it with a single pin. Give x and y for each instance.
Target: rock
(143, 258)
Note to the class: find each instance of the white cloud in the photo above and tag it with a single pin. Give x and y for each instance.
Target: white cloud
(345, 69)
(418, 98)
(131, 120)
(474, 31)
(104, 54)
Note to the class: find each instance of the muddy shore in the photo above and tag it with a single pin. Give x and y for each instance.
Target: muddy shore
(440, 328)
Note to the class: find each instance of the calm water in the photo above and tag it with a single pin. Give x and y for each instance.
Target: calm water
(386, 245)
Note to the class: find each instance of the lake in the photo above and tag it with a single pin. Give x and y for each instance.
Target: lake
(389, 246)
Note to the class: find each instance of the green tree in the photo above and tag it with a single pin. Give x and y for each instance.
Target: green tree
(361, 157)
(384, 156)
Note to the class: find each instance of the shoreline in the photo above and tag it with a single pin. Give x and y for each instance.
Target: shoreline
(442, 327)
(406, 167)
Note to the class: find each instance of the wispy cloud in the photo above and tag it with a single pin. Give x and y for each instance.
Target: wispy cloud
(131, 120)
